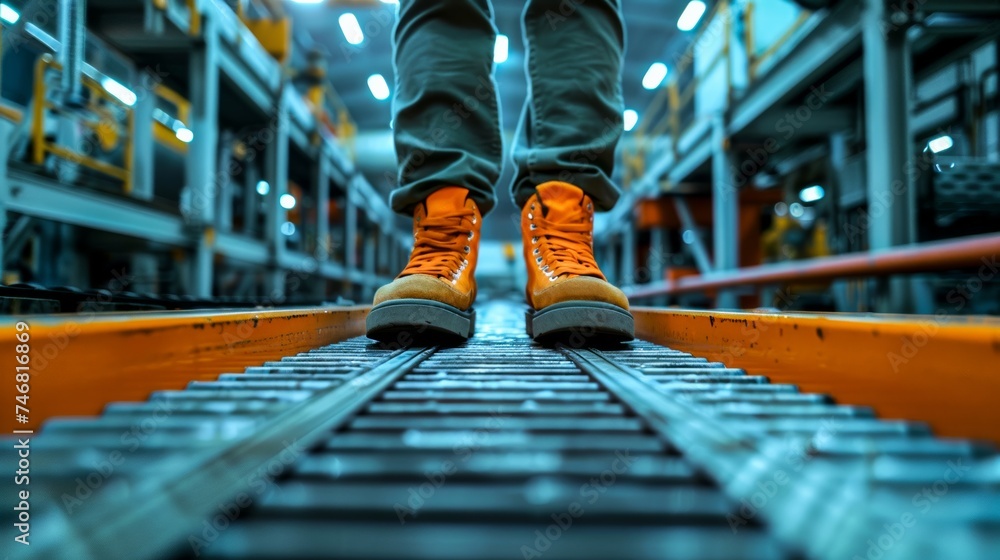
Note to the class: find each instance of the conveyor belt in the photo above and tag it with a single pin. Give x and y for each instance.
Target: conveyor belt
(503, 449)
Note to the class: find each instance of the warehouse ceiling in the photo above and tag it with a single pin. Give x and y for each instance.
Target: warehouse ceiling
(651, 35)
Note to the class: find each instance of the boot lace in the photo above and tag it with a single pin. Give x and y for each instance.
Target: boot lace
(440, 245)
(564, 248)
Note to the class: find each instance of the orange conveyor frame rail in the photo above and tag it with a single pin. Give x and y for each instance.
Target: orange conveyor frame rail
(937, 369)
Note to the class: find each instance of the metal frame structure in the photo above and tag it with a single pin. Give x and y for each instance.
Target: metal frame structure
(850, 43)
(225, 64)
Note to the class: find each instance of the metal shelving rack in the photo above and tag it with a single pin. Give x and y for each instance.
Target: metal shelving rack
(231, 83)
(889, 50)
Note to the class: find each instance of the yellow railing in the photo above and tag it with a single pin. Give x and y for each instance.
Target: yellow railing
(164, 134)
(105, 128)
(753, 61)
(679, 92)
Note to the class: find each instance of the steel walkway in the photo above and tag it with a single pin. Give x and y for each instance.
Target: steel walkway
(504, 449)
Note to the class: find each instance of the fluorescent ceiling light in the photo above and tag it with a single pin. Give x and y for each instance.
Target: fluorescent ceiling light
(941, 144)
(263, 187)
(9, 14)
(120, 92)
(351, 28)
(691, 16)
(287, 201)
(500, 49)
(631, 118)
(379, 88)
(184, 134)
(654, 76)
(812, 194)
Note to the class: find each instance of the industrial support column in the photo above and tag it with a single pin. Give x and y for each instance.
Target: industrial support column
(72, 16)
(6, 132)
(143, 148)
(655, 259)
(627, 276)
(350, 236)
(202, 153)
(323, 250)
(275, 136)
(725, 211)
(891, 198)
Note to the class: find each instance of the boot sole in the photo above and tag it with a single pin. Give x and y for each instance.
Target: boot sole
(405, 321)
(581, 323)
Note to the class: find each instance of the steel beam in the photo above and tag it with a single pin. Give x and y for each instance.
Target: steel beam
(627, 276)
(72, 16)
(351, 233)
(142, 141)
(891, 197)
(6, 133)
(202, 154)
(242, 248)
(323, 249)
(370, 248)
(225, 185)
(276, 173)
(698, 251)
(656, 257)
(725, 210)
(33, 195)
(832, 40)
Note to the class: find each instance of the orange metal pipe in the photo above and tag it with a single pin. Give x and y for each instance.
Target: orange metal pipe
(980, 250)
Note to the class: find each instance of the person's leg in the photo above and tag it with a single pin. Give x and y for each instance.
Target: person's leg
(572, 120)
(448, 142)
(570, 127)
(445, 111)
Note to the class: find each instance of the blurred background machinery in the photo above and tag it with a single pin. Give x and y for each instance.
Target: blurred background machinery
(811, 155)
(195, 148)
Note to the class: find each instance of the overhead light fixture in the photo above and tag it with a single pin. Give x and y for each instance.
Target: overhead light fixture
(389, 1)
(184, 134)
(380, 89)
(654, 76)
(288, 228)
(9, 14)
(308, 1)
(351, 28)
(691, 15)
(120, 92)
(263, 187)
(941, 144)
(812, 194)
(631, 118)
(287, 201)
(500, 49)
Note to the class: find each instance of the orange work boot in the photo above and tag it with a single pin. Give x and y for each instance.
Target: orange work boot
(568, 294)
(432, 297)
